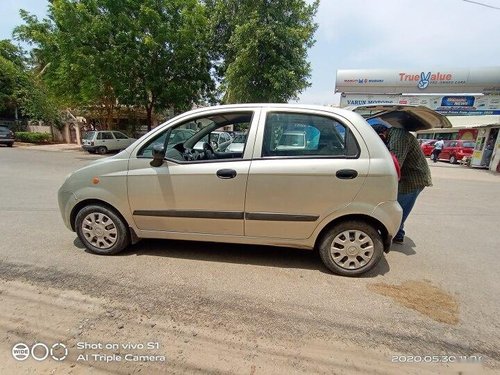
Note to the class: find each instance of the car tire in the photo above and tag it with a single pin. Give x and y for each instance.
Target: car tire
(453, 159)
(351, 248)
(10, 144)
(102, 150)
(101, 230)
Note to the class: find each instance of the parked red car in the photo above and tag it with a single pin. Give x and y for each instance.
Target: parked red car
(428, 146)
(456, 149)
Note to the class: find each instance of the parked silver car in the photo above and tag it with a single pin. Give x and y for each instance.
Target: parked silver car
(338, 194)
(104, 141)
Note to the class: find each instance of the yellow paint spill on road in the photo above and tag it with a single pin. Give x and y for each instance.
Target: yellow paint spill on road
(423, 297)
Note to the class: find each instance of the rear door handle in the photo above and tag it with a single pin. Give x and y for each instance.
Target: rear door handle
(226, 173)
(346, 174)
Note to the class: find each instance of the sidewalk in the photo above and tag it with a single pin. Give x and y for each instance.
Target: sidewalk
(64, 147)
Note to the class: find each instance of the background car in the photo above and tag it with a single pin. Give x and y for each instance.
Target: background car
(291, 140)
(104, 141)
(219, 141)
(6, 136)
(428, 146)
(456, 150)
(238, 143)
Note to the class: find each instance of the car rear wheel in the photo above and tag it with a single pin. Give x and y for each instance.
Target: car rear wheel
(102, 150)
(453, 159)
(101, 230)
(351, 248)
(10, 144)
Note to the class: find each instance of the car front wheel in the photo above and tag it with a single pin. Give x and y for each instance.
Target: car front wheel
(101, 230)
(351, 248)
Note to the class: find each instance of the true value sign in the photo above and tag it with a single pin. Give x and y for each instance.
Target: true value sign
(384, 81)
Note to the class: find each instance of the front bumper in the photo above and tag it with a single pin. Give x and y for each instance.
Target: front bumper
(67, 200)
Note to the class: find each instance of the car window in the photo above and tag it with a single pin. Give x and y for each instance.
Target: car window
(119, 135)
(294, 134)
(185, 142)
(104, 135)
(468, 144)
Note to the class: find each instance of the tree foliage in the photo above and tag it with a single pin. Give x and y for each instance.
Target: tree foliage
(151, 53)
(261, 47)
(21, 89)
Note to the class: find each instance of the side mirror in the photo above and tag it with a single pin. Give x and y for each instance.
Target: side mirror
(158, 156)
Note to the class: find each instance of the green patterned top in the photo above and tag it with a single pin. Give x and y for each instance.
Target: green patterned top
(415, 172)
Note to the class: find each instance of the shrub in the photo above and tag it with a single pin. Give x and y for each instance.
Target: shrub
(32, 137)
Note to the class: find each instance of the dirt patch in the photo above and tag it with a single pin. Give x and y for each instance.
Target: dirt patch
(423, 297)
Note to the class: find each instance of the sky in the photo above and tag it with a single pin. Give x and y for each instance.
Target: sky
(373, 34)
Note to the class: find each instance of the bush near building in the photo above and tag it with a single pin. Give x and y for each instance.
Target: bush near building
(32, 137)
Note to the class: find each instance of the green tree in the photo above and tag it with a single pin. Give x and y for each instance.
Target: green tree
(148, 53)
(20, 89)
(261, 47)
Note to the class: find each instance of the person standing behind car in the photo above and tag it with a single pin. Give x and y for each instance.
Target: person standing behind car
(415, 172)
(438, 147)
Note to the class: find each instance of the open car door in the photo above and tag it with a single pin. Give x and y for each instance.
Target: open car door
(411, 118)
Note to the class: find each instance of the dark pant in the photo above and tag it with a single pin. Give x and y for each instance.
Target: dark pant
(435, 154)
(406, 201)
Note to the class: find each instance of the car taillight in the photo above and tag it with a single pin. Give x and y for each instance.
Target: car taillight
(396, 165)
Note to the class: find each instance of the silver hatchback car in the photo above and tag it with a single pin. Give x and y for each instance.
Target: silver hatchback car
(336, 193)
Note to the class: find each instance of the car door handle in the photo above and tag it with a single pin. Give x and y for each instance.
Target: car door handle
(346, 174)
(226, 173)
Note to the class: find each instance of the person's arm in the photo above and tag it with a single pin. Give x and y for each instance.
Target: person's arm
(398, 144)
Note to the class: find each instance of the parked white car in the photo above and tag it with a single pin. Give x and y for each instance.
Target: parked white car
(104, 141)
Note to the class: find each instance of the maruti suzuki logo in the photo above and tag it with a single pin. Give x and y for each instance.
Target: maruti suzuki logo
(424, 80)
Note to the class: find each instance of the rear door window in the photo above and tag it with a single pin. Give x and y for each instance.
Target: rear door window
(306, 135)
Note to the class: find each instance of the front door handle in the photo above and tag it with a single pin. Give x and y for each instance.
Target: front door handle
(226, 173)
(346, 174)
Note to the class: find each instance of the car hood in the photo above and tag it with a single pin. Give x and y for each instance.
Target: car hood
(411, 118)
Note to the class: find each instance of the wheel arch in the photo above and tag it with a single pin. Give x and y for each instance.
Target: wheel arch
(358, 217)
(88, 202)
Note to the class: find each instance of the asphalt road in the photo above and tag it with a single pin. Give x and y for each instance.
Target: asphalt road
(250, 309)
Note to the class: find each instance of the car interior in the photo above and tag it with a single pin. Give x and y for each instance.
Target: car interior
(202, 130)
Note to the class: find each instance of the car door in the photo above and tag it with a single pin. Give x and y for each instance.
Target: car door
(121, 140)
(290, 190)
(447, 149)
(107, 140)
(190, 196)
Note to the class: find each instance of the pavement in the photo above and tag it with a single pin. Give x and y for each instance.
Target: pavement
(50, 147)
(429, 307)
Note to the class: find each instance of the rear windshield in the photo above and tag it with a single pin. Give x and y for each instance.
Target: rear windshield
(469, 144)
(89, 135)
(4, 129)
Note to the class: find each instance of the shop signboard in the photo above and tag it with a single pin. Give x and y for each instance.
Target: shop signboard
(451, 105)
(423, 81)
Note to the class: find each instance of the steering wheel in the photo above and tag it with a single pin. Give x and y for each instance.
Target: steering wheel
(208, 151)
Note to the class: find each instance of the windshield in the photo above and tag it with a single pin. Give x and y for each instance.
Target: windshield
(89, 135)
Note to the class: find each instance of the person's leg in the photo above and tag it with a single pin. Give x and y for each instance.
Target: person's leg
(406, 201)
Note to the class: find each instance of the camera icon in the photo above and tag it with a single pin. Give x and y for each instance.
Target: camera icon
(39, 351)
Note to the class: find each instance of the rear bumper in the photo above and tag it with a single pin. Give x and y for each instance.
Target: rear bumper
(6, 140)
